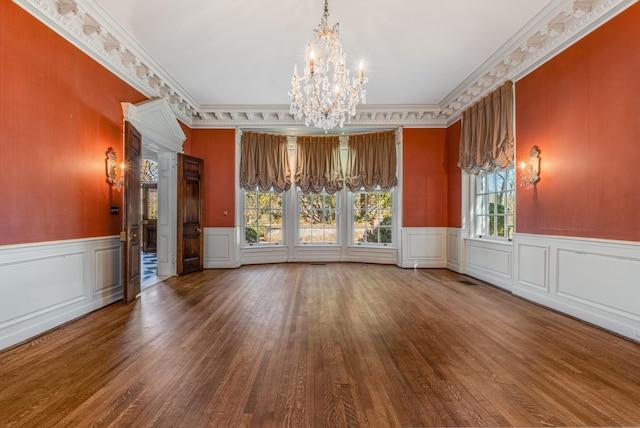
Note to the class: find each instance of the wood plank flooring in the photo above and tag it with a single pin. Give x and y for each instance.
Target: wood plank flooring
(306, 345)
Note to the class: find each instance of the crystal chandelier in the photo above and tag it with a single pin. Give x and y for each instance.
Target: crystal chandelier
(328, 96)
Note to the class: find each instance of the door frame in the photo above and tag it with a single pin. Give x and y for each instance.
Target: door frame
(162, 139)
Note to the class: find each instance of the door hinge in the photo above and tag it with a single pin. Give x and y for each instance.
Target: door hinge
(123, 236)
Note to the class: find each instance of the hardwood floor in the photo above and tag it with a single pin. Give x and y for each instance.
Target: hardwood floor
(320, 346)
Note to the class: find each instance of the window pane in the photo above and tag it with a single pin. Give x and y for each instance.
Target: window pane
(491, 183)
(316, 212)
(373, 217)
(494, 209)
(250, 235)
(385, 235)
(511, 178)
(262, 217)
(261, 234)
(500, 181)
(511, 203)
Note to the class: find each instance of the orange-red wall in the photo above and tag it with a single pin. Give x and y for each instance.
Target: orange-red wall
(186, 145)
(582, 109)
(454, 177)
(217, 148)
(59, 112)
(424, 178)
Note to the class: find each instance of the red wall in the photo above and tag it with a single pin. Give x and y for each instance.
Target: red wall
(454, 177)
(424, 178)
(186, 145)
(218, 149)
(581, 108)
(59, 112)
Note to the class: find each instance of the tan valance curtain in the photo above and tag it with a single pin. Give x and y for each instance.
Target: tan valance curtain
(486, 140)
(318, 165)
(264, 162)
(371, 162)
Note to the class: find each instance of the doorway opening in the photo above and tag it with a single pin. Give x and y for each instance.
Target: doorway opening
(149, 221)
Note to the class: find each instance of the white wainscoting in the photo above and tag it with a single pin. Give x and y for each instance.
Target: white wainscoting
(220, 249)
(48, 284)
(315, 253)
(595, 280)
(364, 254)
(455, 250)
(261, 255)
(490, 261)
(424, 247)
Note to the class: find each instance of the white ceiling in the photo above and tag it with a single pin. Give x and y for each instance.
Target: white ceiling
(242, 52)
(228, 63)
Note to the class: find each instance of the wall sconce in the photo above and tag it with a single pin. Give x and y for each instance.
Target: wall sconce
(531, 169)
(111, 165)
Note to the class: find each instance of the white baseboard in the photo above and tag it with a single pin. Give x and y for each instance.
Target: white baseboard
(48, 284)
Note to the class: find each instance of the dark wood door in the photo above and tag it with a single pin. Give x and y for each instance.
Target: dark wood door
(149, 217)
(190, 202)
(132, 230)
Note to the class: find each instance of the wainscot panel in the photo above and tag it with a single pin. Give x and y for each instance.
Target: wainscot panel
(220, 250)
(364, 254)
(424, 247)
(315, 253)
(490, 261)
(532, 264)
(48, 284)
(455, 250)
(594, 280)
(264, 254)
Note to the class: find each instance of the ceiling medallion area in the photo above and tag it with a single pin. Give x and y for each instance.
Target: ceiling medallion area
(91, 29)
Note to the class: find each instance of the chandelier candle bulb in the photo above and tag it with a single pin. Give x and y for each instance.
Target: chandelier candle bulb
(312, 57)
(361, 73)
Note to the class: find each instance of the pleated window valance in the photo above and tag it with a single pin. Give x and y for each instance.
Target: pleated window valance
(486, 139)
(318, 165)
(371, 162)
(264, 162)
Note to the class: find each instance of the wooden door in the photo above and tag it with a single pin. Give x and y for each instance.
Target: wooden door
(149, 217)
(190, 202)
(132, 230)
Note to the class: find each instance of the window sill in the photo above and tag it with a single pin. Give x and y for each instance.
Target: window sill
(248, 246)
(375, 247)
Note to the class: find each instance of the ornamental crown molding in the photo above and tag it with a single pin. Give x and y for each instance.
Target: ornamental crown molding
(561, 24)
(92, 30)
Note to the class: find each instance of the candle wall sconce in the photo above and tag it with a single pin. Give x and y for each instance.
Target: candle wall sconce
(531, 168)
(111, 163)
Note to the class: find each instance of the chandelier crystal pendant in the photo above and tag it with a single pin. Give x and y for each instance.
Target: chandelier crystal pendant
(329, 95)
